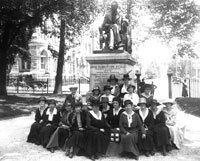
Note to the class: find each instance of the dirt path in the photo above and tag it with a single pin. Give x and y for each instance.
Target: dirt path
(13, 145)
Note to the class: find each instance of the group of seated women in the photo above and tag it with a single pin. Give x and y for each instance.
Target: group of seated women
(78, 130)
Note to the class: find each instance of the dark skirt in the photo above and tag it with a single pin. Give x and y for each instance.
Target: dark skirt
(58, 138)
(45, 134)
(34, 133)
(146, 144)
(161, 136)
(96, 142)
(77, 139)
(128, 143)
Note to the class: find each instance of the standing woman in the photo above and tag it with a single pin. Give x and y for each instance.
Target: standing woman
(33, 136)
(147, 94)
(146, 145)
(76, 142)
(131, 95)
(51, 119)
(97, 137)
(161, 131)
(63, 131)
(129, 125)
(176, 133)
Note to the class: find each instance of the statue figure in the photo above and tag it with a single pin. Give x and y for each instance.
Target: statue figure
(113, 31)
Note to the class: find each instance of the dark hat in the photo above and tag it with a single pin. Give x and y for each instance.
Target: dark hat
(131, 86)
(112, 77)
(118, 99)
(78, 104)
(42, 99)
(128, 102)
(155, 102)
(142, 101)
(104, 100)
(51, 101)
(147, 86)
(96, 88)
(95, 102)
(73, 87)
(107, 87)
(126, 76)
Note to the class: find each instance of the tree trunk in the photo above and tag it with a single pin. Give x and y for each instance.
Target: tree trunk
(3, 67)
(58, 83)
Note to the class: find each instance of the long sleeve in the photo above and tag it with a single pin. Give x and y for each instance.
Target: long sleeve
(37, 116)
(121, 124)
(139, 124)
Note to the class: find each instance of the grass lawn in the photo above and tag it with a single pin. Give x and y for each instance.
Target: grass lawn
(23, 104)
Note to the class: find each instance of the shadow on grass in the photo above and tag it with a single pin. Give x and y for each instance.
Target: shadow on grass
(22, 104)
(190, 105)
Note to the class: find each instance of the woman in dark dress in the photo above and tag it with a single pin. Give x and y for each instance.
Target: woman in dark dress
(63, 131)
(147, 94)
(146, 145)
(161, 131)
(51, 117)
(33, 136)
(97, 137)
(129, 125)
(76, 142)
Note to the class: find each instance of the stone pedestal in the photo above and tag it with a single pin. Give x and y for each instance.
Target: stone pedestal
(103, 64)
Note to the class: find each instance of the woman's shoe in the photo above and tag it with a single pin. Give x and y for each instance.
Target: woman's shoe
(92, 158)
(52, 150)
(71, 155)
(146, 154)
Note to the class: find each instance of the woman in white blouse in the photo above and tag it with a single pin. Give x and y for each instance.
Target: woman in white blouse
(131, 95)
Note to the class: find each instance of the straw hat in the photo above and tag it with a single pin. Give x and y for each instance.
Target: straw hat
(170, 101)
(131, 86)
(96, 88)
(142, 101)
(73, 87)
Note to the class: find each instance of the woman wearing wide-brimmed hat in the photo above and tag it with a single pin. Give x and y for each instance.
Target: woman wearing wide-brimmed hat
(96, 94)
(33, 136)
(130, 125)
(146, 145)
(131, 95)
(76, 142)
(176, 132)
(97, 137)
(113, 82)
(160, 130)
(147, 94)
(107, 93)
(51, 119)
(63, 131)
(123, 87)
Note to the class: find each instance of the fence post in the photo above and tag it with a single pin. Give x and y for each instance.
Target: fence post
(169, 74)
(189, 89)
(47, 86)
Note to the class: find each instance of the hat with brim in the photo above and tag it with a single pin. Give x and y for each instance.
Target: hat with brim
(112, 77)
(107, 87)
(78, 104)
(147, 86)
(42, 99)
(52, 101)
(96, 89)
(104, 100)
(73, 88)
(127, 102)
(155, 102)
(169, 101)
(131, 86)
(142, 101)
(95, 103)
(126, 76)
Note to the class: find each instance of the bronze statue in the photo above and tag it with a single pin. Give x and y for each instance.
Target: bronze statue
(113, 31)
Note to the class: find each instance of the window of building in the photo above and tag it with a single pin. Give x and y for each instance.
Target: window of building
(43, 59)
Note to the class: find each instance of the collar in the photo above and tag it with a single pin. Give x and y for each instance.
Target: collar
(128, 114)
(116, 112)
(143, 94)
(95, 115)
(54, 112)
(145, 115)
